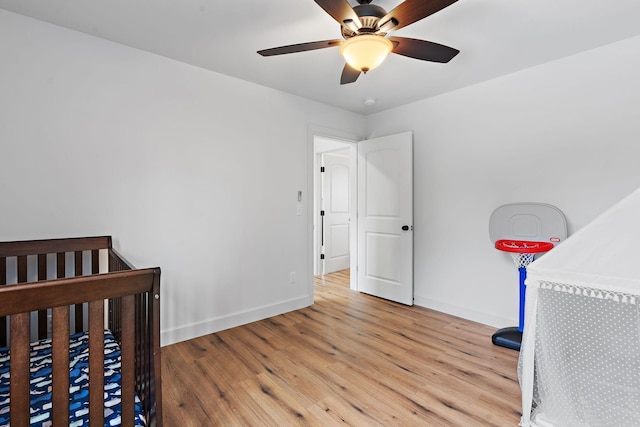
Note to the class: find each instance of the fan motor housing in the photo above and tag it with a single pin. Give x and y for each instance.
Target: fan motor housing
(369, 15)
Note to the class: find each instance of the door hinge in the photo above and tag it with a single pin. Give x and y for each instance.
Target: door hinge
(321, 213)
(321, 168)
(321, 256)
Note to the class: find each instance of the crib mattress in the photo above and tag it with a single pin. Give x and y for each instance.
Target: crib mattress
(78, 384)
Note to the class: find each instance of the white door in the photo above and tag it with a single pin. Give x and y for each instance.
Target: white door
(385, 217)
(335, 205)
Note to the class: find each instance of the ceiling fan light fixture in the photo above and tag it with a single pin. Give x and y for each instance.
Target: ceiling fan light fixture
(365, 52)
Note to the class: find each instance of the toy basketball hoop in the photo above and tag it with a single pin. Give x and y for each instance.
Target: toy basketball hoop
(523, 253)
(524, 230)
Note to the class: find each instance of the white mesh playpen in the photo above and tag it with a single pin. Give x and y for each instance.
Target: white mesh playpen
(580, 356)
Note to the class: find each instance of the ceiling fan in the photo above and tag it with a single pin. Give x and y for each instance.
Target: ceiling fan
(364, 29)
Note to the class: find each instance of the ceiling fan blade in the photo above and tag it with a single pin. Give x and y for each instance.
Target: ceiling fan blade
(300, 47)
(341, 11)
(422, 49)
(410, 11)
(349, 75)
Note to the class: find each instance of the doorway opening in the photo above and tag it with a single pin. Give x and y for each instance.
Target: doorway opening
(379, 223)
(334, 207)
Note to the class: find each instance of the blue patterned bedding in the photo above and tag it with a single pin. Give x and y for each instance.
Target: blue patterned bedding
(78, 384)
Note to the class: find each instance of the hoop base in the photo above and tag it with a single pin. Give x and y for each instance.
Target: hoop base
(508, 337)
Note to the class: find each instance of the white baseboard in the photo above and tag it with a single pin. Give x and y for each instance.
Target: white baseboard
(465, 312)
(210, 326)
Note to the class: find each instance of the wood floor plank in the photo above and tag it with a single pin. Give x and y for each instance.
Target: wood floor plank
(340, 412)
(277, 401)
(185, 408)
(349, 359)
(308, 386)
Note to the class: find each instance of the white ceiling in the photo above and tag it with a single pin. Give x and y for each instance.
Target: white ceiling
(495, 37)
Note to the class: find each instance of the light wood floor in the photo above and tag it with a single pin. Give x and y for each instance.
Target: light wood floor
(350, 359)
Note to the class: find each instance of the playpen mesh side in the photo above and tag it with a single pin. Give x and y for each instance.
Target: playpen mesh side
(587, 357)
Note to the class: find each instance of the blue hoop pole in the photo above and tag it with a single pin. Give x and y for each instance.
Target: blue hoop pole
(523, 290)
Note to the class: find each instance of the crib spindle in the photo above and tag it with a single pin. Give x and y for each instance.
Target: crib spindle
(3, 270)
(60, 368)
(95, 261)
(3, 319)
(42, 314)
(79, 315)
(19, 369)
(22, 269)
(128, 360)
(141, 331)
(42, 266)
(61, 265)
(96, 363)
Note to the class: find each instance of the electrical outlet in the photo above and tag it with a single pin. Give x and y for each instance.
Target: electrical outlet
(292, 277)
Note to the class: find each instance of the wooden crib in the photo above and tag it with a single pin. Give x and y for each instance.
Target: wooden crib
(52, 290)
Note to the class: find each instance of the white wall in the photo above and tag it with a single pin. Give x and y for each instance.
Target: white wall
(189, 170)
(198, 172)
(565, 133)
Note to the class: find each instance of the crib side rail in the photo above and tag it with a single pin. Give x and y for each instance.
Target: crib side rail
(34, 247)
(21, 298)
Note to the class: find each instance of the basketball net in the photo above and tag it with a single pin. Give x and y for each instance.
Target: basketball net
(522, 260)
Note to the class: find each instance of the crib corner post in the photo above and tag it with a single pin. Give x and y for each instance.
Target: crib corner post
(157, 363)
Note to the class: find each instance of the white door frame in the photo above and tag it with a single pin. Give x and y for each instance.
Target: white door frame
(351, 141)
(353, 204)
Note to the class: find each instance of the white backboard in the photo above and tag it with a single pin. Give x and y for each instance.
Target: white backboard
(535, 222)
